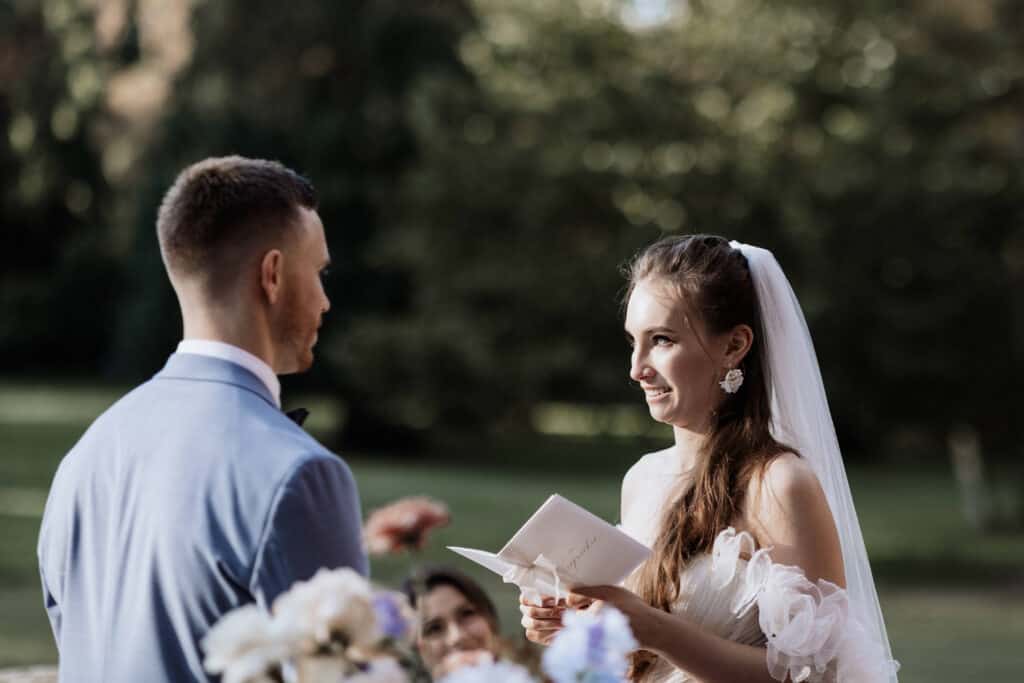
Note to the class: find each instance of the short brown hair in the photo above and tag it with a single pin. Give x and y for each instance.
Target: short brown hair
(220, 204)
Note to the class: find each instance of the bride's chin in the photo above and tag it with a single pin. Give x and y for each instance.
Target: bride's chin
(659, 414)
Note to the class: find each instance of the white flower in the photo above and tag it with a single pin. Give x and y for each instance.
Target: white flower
(497, 672)
(335, 606)
(592, 647)
(320, 669)
(384, 670)
(244, 646)
(338, 669)
(732, 382)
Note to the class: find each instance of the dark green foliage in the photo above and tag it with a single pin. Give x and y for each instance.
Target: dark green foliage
(484, 171)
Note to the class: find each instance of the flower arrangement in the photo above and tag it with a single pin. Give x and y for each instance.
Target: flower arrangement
(592, 647)
(334, 627)
(404, 525)
(246, 646)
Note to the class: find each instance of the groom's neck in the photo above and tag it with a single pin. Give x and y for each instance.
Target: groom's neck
(231, 325)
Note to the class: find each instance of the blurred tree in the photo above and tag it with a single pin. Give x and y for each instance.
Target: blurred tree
(60, 275)
(873, 148)
(320, 88)
(484, 169)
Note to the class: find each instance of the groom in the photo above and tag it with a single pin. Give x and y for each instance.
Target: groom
(194, 494)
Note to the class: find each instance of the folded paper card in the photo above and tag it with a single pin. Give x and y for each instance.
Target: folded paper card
(562, 546)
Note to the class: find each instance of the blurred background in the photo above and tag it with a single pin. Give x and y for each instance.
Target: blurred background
(484, 168)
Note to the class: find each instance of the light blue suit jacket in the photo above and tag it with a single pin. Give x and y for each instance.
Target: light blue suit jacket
(190, 496)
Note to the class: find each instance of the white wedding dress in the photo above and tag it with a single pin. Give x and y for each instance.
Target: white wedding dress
(809, 631)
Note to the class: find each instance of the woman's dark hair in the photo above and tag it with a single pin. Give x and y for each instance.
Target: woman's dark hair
(425, 580)
(714, 281)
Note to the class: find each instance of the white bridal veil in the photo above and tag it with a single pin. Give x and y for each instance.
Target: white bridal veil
(801, 418)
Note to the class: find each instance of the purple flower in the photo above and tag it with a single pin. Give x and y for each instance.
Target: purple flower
(595, 645)
(391, 618)
(592, 648)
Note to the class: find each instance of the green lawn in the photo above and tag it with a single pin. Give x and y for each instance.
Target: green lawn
(953, 601)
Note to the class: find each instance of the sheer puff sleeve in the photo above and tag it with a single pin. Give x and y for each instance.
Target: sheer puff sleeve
(812, 631)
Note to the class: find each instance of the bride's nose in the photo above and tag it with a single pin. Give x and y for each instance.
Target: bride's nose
(638, 368)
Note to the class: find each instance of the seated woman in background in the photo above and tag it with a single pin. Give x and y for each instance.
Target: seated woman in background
(457, 623)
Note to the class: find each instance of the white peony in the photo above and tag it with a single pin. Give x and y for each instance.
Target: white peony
(334, 607)
(383, 670)
(244, 646)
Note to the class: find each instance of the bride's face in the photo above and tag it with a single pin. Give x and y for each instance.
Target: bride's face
(673, 357)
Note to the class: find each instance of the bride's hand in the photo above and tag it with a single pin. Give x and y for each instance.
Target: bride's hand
(581, 602)
(542, 621)
(641, 616)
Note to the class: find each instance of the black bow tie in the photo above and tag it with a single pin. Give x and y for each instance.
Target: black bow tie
(298, 415)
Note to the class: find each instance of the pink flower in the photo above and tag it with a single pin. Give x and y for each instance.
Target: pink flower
(403, 524)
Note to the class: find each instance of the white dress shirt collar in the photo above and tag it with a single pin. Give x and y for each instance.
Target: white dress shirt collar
(233, 354)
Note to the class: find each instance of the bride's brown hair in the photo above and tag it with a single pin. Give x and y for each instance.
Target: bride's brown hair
(714, 281)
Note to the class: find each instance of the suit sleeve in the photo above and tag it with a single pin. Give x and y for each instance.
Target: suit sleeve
(45, 552)
(314, 522)
(52, 608)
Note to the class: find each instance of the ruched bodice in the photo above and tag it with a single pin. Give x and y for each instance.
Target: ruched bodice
(808, 630)
(704, 599)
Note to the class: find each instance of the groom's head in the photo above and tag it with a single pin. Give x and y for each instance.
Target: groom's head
(241, 241)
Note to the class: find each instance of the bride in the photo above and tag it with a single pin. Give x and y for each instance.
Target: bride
(758, 571)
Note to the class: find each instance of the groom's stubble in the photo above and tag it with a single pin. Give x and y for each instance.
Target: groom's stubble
(303, 302)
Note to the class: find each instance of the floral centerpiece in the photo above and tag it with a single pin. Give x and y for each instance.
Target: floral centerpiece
(333, 627)
(591, 648)
(336, 628)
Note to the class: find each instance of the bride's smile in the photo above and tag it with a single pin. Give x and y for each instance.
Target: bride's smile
(655, 393)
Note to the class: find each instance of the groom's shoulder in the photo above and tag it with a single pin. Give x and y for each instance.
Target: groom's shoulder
(123, 406)
(287, 444)
(219, 420)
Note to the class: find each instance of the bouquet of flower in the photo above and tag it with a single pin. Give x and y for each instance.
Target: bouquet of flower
(334, 627)
(591, 648)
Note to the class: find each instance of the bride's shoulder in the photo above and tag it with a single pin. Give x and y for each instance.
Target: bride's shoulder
(640, 474)
(788, 511)
(647, 463)
(638, 477)
(786, 475)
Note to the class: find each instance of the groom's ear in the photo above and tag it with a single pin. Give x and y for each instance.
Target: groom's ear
(272, 275)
